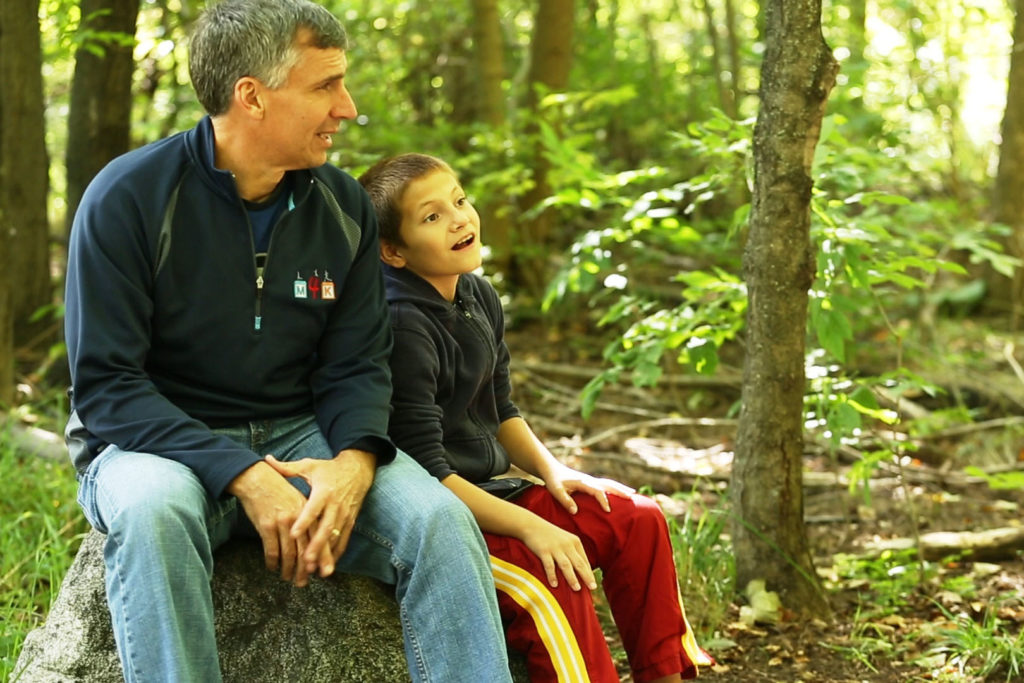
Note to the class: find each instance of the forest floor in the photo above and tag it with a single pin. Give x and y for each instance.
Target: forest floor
(896, 616)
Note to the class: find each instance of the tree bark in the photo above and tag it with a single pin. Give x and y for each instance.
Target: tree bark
(99, 122)
(550, 62)
(769, 537)
(489, 50)
(1009, 186)
(489, 47)
(732, 41)
(24, 177)
(24, 183)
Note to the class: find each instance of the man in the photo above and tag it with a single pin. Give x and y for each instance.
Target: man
(228, 340)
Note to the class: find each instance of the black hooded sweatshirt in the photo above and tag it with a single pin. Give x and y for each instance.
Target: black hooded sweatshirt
(450, 376)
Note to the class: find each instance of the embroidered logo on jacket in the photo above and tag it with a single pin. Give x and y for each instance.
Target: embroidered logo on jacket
(314, 287)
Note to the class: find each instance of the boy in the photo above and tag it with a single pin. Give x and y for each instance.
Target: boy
(453, 413)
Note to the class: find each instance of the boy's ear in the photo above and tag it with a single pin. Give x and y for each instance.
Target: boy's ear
(389, 255)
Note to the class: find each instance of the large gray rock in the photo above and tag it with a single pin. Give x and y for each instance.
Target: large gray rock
(345, 628)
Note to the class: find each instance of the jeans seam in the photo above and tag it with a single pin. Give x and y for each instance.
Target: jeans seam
(407, 627)
(128, 634)
(414, 645)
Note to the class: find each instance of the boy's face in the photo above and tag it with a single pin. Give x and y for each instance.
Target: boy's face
(440, 229)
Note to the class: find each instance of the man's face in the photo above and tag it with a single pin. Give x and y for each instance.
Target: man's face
(303, 115)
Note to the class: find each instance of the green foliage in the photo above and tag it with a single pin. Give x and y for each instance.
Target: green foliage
(887, 581)
(880, 257)
(41, 529)
(999, 480)
(649, 218)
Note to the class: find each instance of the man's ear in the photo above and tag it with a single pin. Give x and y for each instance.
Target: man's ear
(249, 97)
(389, 254)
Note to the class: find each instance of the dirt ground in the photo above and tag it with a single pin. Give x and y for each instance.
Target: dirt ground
(881, 629)
(895, 644)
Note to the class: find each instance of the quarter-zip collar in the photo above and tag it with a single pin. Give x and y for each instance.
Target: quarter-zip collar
(201, 147)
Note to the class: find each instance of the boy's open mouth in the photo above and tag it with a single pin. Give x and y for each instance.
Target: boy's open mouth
(464, 242)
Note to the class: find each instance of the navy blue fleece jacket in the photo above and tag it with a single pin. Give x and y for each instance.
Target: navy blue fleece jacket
(171, 329)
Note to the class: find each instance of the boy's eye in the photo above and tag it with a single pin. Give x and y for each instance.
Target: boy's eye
(461, 201)
(430, 218)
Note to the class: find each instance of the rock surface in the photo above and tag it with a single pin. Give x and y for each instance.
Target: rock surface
(345, 628)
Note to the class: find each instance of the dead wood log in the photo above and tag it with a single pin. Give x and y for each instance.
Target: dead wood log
(723, 378)
(32, 440)
(990, 545)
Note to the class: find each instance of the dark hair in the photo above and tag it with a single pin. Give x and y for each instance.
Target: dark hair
(238, 38)
(386, 181)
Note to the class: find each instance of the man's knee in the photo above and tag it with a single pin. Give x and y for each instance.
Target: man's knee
(150, 494)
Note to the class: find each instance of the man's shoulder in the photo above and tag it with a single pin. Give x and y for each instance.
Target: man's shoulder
(340, 181)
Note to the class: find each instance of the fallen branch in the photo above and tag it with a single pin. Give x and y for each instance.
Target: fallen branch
(961, 430)
(722, 378)
(989, 545)
(638, 427)
(32, 440)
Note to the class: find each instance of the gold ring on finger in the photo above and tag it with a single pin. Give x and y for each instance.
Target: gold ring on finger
(335, 533)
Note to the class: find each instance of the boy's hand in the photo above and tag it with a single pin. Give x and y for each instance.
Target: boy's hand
(559, 551)
(564, 481)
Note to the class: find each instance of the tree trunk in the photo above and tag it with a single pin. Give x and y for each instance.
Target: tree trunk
(732, 40)
(725, 94)
(550, 61)
(1009, 186)
(489, 49)
(769, 537)
(24, 183)
(99, 122)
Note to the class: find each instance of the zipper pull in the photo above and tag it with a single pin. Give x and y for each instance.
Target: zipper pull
(258, 320)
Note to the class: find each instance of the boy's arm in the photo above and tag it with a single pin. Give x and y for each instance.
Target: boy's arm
(528, 453)
(558, 550)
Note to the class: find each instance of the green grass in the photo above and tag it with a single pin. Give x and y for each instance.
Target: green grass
(704, 562)
(41, 527)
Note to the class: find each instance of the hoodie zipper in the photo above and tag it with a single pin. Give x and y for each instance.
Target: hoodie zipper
(483, 332)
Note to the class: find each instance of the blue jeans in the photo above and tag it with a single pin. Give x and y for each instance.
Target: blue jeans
(162, 528)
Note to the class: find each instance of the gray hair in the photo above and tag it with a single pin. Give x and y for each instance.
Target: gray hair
(238, 38)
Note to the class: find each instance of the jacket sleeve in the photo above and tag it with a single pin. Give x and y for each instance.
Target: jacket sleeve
(352, 383)
(416, 419)
(109, 307)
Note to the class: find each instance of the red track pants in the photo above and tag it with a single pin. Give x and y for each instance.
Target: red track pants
(557, 628)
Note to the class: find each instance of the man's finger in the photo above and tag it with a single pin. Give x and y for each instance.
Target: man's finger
(287, 545)
(271, 549)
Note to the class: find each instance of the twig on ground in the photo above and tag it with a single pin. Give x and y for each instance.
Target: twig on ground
(659, 422)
